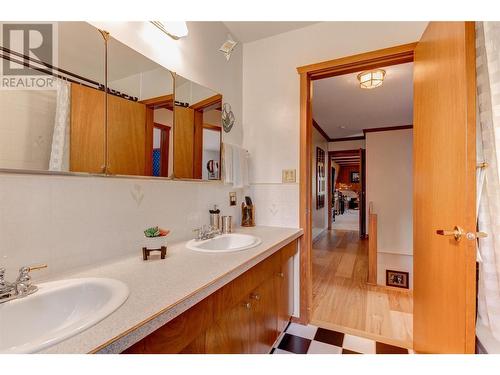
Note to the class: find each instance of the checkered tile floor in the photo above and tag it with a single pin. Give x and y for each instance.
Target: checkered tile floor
(299, 339)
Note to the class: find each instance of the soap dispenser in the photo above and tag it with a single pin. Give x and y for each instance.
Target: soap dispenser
(214, 217)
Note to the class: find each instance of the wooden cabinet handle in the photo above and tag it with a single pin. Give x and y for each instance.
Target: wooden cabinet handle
(281, 274)
(247, 305)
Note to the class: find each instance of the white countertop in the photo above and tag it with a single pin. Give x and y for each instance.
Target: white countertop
(160, 289)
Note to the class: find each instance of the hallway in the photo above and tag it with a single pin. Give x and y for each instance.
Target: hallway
(348, 221)
(343, 301)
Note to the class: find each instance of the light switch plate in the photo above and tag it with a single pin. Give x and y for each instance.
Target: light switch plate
(232, 198)
(288, 176)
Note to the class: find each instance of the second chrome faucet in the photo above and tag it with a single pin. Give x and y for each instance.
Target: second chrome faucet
(206, 232)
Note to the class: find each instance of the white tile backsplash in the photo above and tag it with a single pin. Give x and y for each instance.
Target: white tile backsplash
(276, 204)
(70, 222)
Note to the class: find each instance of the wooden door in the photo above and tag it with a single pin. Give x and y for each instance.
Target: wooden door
(126, 136)
(444, 188)
(183, 142)
(87, 130)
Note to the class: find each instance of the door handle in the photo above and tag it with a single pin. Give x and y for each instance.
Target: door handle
(475, 235)
(457, 232)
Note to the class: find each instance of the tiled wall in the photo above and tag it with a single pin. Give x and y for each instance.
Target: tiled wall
(70, 222)
(276, 204)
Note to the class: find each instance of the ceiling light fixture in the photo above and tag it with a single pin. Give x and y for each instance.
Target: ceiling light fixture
(175, 30)
(371, 78)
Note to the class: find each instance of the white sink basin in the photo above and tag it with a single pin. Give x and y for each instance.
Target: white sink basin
(225, 243)
(57, 311)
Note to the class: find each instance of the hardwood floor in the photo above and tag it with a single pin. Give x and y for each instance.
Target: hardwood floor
(343, 301)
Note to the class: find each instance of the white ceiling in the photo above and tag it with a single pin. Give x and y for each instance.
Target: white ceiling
(250, 31)
(339, 102)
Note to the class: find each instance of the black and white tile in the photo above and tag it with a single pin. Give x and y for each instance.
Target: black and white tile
(300, 339)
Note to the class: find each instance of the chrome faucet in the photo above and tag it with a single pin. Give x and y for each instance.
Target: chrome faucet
(206, 232)
(22, 287)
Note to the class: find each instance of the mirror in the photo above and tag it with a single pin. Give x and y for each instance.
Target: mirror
(140, 114)
(51, 97)
(56, 115)
(198, 131)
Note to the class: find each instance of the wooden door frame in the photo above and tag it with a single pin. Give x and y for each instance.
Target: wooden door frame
(308, 73)
(164, 101)
(199, 108)
(164, 144)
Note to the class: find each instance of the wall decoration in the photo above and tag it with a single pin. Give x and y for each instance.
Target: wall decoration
(213, 169)
(398, 279)
(355, 177)
(227, 117)
(320, 178)
(137, 194)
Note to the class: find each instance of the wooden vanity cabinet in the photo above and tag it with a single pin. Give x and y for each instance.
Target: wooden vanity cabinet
(244, 316)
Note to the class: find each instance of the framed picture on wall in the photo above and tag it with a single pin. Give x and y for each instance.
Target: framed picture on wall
(355, 177)
(399, 279)
(320, 178)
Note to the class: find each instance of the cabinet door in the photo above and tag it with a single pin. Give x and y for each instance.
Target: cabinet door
(283, 281)
(126, 136)
(285, 285)
(230, 334)
(264, 325)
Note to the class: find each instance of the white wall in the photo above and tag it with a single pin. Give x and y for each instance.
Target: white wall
(319, 216)
(69, 222)
(346, 145)
(271, 100)
(389, 185)
(192, 93)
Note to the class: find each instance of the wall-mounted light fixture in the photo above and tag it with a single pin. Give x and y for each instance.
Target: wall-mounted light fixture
(228, 47)
(175, 30)
(371, 78)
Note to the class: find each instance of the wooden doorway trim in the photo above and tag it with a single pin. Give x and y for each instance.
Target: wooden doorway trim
(165, 101)
(344, 65)
(164, 148)
(214, 102)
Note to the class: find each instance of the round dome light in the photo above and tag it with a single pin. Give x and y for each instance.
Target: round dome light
(371, 78)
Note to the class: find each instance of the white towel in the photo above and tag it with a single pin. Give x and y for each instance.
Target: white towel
(227, 163)
(235, 165)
